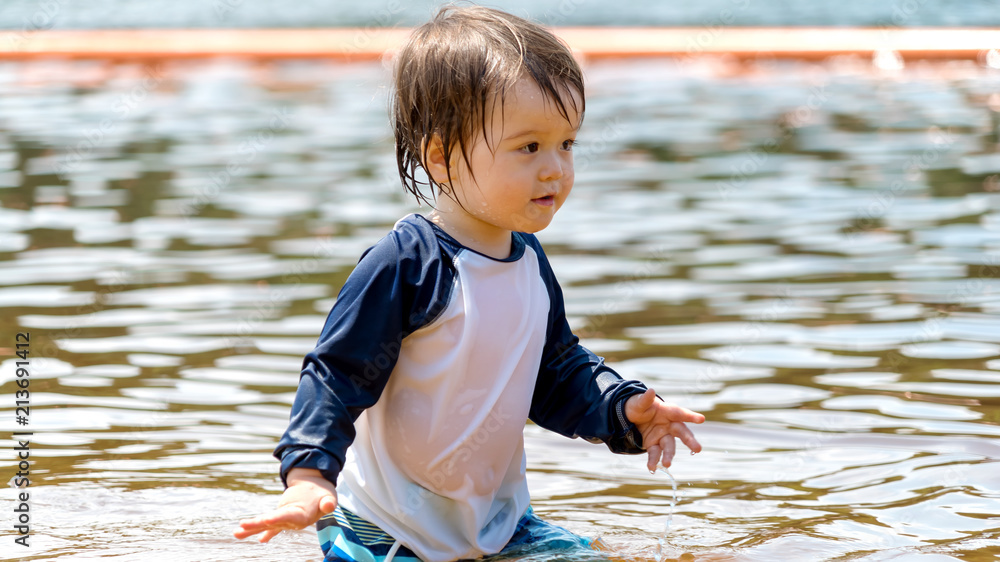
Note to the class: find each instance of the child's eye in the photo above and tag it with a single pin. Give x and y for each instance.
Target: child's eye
(530, 147)
(568, 144)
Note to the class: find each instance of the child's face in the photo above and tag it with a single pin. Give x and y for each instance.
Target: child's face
(524, 180)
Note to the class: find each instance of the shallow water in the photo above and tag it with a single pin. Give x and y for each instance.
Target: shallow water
(808, 254)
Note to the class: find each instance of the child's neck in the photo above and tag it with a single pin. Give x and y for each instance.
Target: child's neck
(472, 233)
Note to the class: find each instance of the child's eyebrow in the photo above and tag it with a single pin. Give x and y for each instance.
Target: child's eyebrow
(529, 132)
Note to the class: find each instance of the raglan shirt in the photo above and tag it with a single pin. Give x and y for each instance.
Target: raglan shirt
(430, 362)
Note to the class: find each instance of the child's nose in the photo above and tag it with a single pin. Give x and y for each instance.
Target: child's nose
(552, 169)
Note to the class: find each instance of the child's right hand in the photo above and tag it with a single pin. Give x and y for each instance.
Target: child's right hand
(308, 497)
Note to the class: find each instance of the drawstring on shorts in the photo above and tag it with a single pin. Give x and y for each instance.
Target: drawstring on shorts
(392, 552)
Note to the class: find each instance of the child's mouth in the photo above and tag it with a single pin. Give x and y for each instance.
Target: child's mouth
(546, 201)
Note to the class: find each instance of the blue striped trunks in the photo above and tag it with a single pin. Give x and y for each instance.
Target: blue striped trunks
(346, 537)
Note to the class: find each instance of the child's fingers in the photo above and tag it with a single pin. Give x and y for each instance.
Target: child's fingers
(249, 527)
(269, 534)
(679, 414)
(242, 533)
(638, 407)
(669, 448)
(646, 407)
(652, 456)
(287, 517)
(682, 432)
(280, 515)
(327, 504)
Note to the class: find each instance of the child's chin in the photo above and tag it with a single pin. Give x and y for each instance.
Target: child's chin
(537, 227)
(535, 222)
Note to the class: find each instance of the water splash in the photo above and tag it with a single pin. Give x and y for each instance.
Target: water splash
(661, 542)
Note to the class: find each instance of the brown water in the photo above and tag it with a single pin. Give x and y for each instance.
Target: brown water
(807, 254)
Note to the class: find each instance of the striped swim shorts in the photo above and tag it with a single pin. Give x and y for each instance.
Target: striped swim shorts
(346, 537)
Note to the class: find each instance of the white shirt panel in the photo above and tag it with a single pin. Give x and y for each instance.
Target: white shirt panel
(444, 444)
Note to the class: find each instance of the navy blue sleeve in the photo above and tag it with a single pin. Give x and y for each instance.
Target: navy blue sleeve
(396, 288)
(576, 394)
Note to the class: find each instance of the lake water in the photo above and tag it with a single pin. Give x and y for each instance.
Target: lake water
(100, 14)
(808, 254)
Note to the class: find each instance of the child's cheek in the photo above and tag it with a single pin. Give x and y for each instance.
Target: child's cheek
(564, 193)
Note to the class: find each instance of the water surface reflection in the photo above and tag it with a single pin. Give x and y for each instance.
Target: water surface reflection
(808, 254)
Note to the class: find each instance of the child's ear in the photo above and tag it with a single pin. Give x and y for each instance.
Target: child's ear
(434, 160)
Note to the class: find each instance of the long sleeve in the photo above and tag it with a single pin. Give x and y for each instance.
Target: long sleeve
(393, 291)
(576, 394)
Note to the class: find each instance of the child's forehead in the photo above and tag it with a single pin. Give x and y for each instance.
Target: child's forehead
(526, 101)
(526, 88)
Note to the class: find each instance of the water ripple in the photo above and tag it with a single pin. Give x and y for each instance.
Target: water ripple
(806, 252)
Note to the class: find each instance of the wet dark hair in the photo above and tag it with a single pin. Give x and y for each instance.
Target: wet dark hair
(454, 69)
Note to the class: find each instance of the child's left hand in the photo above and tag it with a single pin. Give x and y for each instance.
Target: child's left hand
(659, 423)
